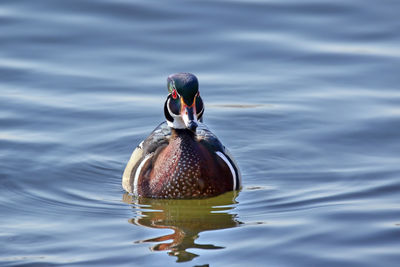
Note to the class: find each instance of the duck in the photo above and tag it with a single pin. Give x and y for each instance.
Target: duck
(181, 158)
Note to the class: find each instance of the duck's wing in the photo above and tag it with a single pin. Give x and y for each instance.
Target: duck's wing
(158, 138)
(210, 140)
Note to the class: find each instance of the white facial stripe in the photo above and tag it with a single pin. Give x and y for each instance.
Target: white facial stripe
(223, 157)
(200, 113)
(169, 110)
(178, 122)
(137, 173)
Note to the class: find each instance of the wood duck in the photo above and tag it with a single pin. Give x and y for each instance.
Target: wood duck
(181, 158)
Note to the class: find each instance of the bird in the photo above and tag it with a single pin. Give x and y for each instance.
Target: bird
(181, 158)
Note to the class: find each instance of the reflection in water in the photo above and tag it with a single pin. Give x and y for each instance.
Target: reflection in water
(187, 218)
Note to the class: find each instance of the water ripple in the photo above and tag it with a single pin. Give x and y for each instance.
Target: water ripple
(303, 93)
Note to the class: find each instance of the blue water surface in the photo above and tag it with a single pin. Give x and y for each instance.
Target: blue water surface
(305, 94)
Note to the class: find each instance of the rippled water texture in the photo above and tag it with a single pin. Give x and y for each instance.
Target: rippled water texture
(305, 94)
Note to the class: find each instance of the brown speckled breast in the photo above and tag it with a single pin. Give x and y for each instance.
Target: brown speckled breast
(185, 169)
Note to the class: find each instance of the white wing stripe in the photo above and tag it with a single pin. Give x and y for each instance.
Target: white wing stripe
(223, 157)
(137, 173)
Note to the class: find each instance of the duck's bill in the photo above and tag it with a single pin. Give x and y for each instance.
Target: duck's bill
(189, 116)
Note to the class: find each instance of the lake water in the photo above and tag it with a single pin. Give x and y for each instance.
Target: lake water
(305, 94)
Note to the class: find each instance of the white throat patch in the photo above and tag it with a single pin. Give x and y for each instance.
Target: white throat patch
(178, 122)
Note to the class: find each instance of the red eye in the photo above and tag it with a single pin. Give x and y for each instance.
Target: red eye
(174, 94)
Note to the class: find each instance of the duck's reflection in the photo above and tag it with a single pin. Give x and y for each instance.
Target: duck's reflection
(187, 218)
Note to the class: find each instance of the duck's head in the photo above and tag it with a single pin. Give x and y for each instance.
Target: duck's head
(184, 106)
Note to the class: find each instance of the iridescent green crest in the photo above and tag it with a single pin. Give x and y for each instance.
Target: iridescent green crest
(171, 85)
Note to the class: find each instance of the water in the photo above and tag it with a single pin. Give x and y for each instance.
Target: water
(305, 94)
